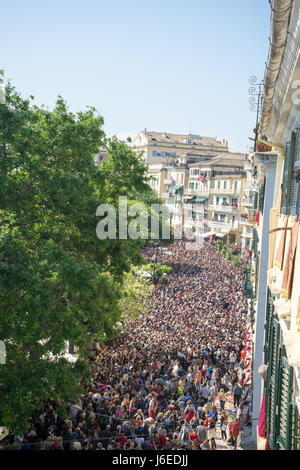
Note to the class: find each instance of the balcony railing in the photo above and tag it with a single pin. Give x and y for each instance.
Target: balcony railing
(174, 208)
(219, 224)
(198, 192)
(199, 208)
(224, 190)
(221, 208)
(246, 201)
(247, 221)
(169, 181)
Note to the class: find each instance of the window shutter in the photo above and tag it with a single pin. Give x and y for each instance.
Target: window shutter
(285, 403)
(285, 179)
(256, 270)
(248, 286)
(255, 200)
(298, 201)
(254, 241)
(268, 323)
(272, 397)
(296, 429)
(261, 198)
(295, 167)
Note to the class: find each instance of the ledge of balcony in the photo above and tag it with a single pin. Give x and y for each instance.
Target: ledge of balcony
(267, 158)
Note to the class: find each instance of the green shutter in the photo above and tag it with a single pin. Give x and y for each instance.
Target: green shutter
(254, 241)
(298, 202)
(296, 429)
(248, 286)
(268, 323)
(257, 261)
(285, 408)
(261, 197)
(285, 187)
(295, 167)
(252, 312)
(272, 396)
(255, 200)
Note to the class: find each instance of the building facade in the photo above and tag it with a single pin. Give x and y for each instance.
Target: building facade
(275, 191)
(210, 191)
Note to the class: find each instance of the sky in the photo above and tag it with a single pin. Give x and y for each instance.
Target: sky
(175, 66)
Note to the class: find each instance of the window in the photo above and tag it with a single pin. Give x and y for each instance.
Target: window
(284, 418)
(235, 185)
(291, 170)
(295, 173)
(219, 184)
(225, 184)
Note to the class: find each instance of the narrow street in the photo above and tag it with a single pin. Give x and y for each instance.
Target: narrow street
(156, 385)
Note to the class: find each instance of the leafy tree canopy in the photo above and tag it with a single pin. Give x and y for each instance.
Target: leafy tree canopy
(58, 281)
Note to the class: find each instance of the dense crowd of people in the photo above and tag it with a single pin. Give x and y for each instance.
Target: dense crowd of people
(166, 382)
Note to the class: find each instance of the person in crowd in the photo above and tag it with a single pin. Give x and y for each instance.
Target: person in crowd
(157, 384)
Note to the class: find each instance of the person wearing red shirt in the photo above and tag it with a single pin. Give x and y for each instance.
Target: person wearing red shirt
(234, 428)
(193, 435)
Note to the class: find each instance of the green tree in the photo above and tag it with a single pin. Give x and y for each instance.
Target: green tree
(136, 288)
(58, 282)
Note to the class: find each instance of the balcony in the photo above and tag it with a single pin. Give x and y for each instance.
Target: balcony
(221, 208)
(214, 224)
(231, 191)
(250, 220)
(175, 208)
(169, 181)
(198, 208)
(247, 201)
(248, 166)
(247, 232)
(197, 192)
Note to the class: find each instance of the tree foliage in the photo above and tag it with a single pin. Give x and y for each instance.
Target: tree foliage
(136, 288)
(58, 282)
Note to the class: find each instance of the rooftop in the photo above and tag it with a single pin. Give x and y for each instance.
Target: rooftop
(194, 139)
(225, 159)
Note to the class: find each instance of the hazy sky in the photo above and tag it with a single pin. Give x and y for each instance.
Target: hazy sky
(167, 65)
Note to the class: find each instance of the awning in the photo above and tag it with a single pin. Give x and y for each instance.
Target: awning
(188, 197)
(220, 235)
(201, 198)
